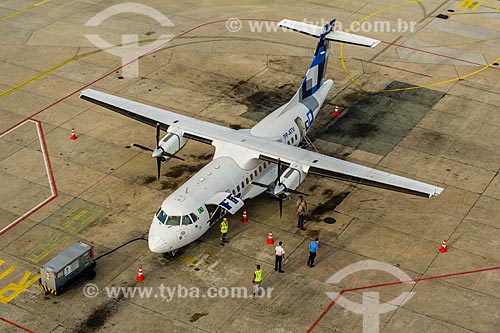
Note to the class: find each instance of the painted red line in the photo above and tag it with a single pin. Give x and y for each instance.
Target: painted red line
(49, 164)
(123, 65)
(51, 176)
(438, 54)
(332, 303)
(28, 215)
(188, 31)
(16, 325)
(329, 307)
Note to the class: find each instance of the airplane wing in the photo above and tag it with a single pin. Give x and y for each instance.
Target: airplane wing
(262, 148)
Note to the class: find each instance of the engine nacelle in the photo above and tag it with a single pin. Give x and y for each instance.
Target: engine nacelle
(293, 176)
(173, 141)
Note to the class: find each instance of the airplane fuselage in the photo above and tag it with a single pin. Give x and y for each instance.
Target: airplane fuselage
(186, 214)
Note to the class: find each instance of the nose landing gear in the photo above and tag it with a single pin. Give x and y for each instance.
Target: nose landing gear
(170, 254)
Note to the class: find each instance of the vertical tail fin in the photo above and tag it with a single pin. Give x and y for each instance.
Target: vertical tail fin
(315, 75)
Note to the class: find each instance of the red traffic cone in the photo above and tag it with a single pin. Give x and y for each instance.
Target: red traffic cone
(336, 112)
(443, 247)
(73, 135)
(140, 277)
(244, 218)
(270, 239)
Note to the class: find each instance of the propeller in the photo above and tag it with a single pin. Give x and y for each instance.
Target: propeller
(159, 153)
(279, 190)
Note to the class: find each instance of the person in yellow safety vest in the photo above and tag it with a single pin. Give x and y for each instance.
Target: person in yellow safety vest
(257, 279)
(224, 227)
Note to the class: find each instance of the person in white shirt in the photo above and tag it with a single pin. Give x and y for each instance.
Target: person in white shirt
(280, 256)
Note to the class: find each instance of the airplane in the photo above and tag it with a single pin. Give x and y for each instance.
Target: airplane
(248, 162)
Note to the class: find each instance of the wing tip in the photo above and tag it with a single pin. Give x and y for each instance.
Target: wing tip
(437, 192)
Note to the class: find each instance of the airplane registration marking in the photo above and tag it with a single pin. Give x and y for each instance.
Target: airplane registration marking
(12, 290)
(290, 132)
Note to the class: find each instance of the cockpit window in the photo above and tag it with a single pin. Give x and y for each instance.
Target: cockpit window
(173, 220)
(193, 217)
(161, 216)
(186, 220)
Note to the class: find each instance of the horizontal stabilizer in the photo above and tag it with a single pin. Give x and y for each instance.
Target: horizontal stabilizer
(335, 36)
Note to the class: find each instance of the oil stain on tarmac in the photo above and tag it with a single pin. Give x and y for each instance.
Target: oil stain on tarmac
(377, 122)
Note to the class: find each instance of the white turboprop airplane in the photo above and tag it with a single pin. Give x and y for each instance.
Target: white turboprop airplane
(247, 162)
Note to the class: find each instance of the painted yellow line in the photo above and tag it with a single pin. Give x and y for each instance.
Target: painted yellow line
(341, 50)
(469, 5)
(67, 61)
(36, 77)
(24, 10)
(354, 81)
(492, 5)
(189, 260)
(458, 44)
(446, 81)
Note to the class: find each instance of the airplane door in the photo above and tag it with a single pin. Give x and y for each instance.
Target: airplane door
(301, 126)
(215, 213)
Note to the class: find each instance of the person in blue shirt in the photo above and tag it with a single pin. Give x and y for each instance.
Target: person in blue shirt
(313, 252)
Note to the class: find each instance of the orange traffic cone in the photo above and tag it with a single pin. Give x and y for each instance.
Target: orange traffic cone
(270, 239)
(73, 135)
(244, 218)
(443, 247)
(336, 112)
(140, 277)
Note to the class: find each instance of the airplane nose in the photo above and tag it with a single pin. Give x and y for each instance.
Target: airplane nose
(157, 244)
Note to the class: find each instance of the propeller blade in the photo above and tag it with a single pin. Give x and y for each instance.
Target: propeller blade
(280, 198)
(158, 166)
(279, 172)
(295, 192)
(141, 146)
(259, 184)
(157, 135)
(172, 156)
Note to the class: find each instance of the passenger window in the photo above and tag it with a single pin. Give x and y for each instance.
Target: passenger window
(242, 185)
(186, 220)
(247, 180)
(238, 188)
(193, 217)
(251, 176)
(173, 220)
(260, 168)
(255, 173)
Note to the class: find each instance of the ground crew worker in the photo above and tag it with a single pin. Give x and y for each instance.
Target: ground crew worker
(257, 279)
(280, 256)
(224, 227)
(301, 210)
(313, 252)
(301, 200)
